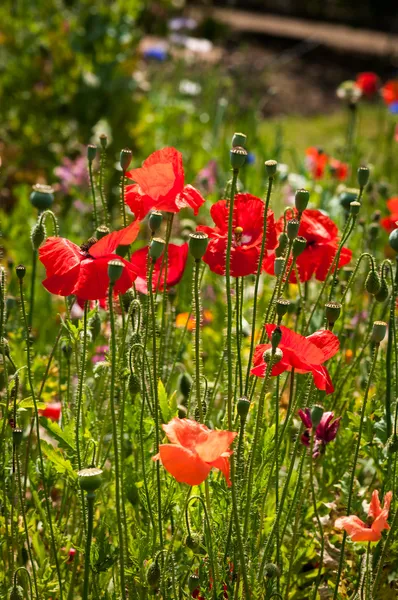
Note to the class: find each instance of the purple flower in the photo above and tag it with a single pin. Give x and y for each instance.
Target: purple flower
(327, 428)
(207, 177)
(72, 174)
(324, 433)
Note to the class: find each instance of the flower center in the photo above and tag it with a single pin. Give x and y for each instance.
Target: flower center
(241, 238)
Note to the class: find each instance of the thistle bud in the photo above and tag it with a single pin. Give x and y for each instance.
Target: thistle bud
(103, 140)
(242, 406)
(332, 312)
(38, 235)
(17, 435)
(363, 176)
(299, 245)
(90, 479)
(271, 168)
(125, 159)
(279, 264)
(101, 231)
(292, 229)
(156, 248)
(184, 384)
(316, 415)
(193, 582)
(237, 157)
(91, 152)
(153, 575)
(393, 240)
(198, 242)
(155, 220)
(372, 283)
(355, 208)
(301, 200)
(42, 196)
(282, 306)
(20, 271)
(115, 270)
(382, 294)
(379, 331)
(239, 139)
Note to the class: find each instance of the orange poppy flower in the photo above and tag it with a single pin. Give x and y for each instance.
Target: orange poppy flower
(358, 530)
(182, 319)
(194, 451)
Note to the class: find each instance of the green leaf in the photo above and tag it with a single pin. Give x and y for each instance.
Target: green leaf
(61, 464)
(28, 403)
(64, 437)
(164, 405)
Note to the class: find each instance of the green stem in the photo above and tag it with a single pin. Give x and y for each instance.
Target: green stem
(90, 173)
(197, 341)
(80, 388)
(32, 289)
(90, 518)
(320, 527)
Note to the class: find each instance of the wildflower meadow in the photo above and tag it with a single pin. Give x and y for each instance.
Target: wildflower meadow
(199, 365)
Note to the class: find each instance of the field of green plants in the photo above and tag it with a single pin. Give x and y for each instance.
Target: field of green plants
(198, 357)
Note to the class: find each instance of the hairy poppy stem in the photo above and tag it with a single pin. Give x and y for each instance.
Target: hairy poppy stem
(314, 503)
(32, 288)
(165, 265)
(101, 185)
(197, 340)
(90, 174)
(80, 388)
(90, 496)
(390, 350)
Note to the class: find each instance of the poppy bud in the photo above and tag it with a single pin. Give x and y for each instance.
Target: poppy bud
(101, 231)
(243, 406)
(332, 312)
(372, 283)
(382, 294)
(301, 200)
(374, 230)
(42, 196)
(125, 159)
(282, 306)
(347, 196)
(393, 240)
(198, 242)
(94, 324)
(283, 241)
(90, 479)
(17, 593)
(292, 229)
(91, 152)
(20, 271)
(155, 220)
(355, 208)
(271, 167)
(376, 216)
(363, 176)
(156, 248)
(153, 575)
(279, 264)
(184, 384)
(194, 542)
(274, 357)
(17, 435)
(182, 411)
(104, 140)
(276, 338)
(392, 444)
(299, 245)
(4, 346)
(134, 384)
(239, 139)
(237, 156)
(271, 570)
(38, 235)
(115, 270)
(66, 348)
(193, 582)
(316, 415)
(379, 331)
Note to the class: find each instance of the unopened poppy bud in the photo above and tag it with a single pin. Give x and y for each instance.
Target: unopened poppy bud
(66, 348)
(316, 415)
(155, 220)
(332, 312)
(347, 196)
(237, 156)
(17, 435)
(198, 242)
(355, 208)
(134, 384)
(382, 294)
(115, 270)
(4, 346)
(239, 139)
(20, 271)
(90, 479)
(156, 248)
(243, 406)
(153, 575)
(393, 240)
(282, 306)
(376, 216)
(38, 235)
(292, 229)
(271, 168)
(372, 283)
(184, 384)
(279, 264)
(91, 152)
(94, 324)
(194, 542)
(104, 140)
(125, 159)
(276, 338)
(193, 582)
(17, 593)
(363, 176)
(379, 331)
(301, 200)
(101, 231)
(374, 230)
(299, 245)
(42, 196)
(271, 570)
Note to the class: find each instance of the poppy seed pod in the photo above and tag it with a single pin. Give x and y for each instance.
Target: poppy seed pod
(292, 229)
(316, 415)
(91, 152)
(279, 264)
(355, 208)
(332, 312)
(301, 200)
(271, 168)
(184, 384)
(17, 435)
(17, 593)
(393, 240)
(372, 283)
(66, 348)
(103, 140)
(155, 220)
(273, 357)
(282, 306)
(115, 270)
(363, 176)
(101, 231)
(243, 406)
(153, 575)
(38, 235)
(42, 196)
(90, 479)
(237, 156)
(125, 158)
(198, 242)
(156, 248)
(299, 245)
(379, 331)
(382, 294)
(193, 582)
(20, 271)
(347, 196)
(239, 139)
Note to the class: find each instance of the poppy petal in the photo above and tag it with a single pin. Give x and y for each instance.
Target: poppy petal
(222, 463)
(215, 445)
(63, 285)
(322, 378)
(183, 464)
(185, 432)
(326, 341)
(190, 197)
(374, 507)
(59, 256)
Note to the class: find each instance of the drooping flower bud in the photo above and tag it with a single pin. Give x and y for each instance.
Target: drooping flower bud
(115, 270)
(17, 593)
(153, 575)
(237, 157)
(156, 248)
(134, 384)
(155, 220)
(379, 331)
(66, 348)
(90, 479)
(198, 242)
(194, 542)
(382, 294)
(271, 167)
(20, 271)
(38, 235)
(184, 384)
(125, 159)
(301, 200)
(372, 283)
(42, 196)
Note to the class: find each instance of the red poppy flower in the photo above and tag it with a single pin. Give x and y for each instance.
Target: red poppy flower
(176, 259)
(248, 221)
(159, 184)
(322, 242)
(390, 223)
(368, 83)
(389, 91)
(304, 354)
(358, 530)
(338, 169)
(316, 161)
(194, 451)
(52, 411)
(84, 271)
